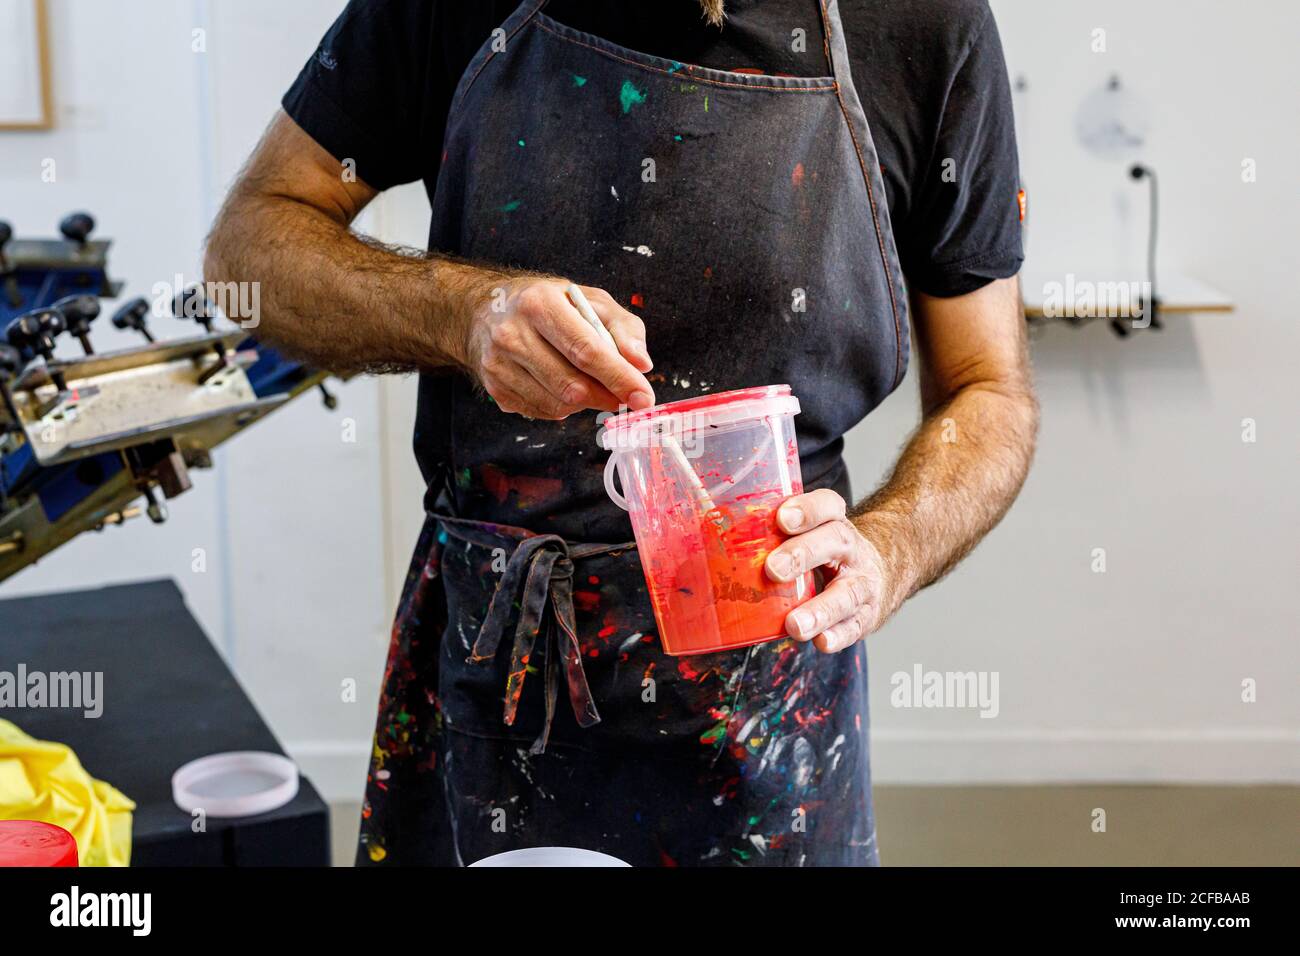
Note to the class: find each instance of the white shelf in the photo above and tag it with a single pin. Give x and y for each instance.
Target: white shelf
(1179, 294)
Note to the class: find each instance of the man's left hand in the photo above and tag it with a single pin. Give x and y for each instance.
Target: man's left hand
(853, 603)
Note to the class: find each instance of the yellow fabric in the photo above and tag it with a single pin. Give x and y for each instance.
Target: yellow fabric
(45, 781)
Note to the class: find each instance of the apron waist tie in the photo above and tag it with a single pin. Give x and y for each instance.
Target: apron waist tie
(539, 577)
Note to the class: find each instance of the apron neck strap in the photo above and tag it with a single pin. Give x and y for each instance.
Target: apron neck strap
(524, 12)
(837, 53)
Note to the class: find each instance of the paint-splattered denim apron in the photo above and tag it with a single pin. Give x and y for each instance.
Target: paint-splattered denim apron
(526, 700)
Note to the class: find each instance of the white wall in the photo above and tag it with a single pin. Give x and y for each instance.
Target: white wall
(1135, 674)
(1132, 675)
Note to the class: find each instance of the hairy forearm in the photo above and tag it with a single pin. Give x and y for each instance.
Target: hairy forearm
(346, 303)
(340, 301)
(954, 481)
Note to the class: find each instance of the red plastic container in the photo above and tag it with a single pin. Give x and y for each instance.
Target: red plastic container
(703, 480)
(30, 843)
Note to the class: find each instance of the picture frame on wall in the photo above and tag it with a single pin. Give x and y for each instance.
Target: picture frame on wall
(26, 99)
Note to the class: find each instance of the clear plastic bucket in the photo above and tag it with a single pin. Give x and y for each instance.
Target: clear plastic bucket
(702, 480)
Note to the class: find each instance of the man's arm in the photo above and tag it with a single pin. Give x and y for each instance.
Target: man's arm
(963, 468)
(955, 479)
(348, 303)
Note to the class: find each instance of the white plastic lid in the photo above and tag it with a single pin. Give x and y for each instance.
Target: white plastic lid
(237, 784)
(631, 429)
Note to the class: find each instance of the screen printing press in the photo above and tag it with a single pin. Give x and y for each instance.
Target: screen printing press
(102, 438)
(91, 441)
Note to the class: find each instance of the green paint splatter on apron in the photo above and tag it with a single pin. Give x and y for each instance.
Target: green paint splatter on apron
(715, 733)
(629, 96)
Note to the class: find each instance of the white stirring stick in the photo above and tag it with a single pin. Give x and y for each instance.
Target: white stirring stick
(587, 312)
(667, 440)
(697, 489)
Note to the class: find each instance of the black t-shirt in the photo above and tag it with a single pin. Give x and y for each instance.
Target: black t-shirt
(929, 73)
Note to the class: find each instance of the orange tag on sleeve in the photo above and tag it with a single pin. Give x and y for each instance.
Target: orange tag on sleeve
(1022, 200)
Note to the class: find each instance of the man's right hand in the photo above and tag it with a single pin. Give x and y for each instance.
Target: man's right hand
(532, 351)
(347, 303)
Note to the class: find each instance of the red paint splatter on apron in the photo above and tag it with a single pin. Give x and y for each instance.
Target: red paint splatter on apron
(528, 491)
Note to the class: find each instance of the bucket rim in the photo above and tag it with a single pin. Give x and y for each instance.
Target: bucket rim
(713, 408)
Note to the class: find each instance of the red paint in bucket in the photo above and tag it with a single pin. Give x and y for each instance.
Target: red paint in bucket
(746, 606)
(703, 535)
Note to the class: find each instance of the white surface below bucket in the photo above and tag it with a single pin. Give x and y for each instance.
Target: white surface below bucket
(550, 856)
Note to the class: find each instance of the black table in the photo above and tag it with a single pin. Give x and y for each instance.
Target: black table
(168, 697)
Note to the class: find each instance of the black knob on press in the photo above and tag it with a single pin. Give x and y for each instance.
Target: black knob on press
(11, 292)
(11, 361)
(134, 315)
(77, 227)
(34, 333)
(79, 311)
(191, 303)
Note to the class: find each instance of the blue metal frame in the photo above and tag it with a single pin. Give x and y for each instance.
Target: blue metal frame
(61, 488)
(39, 288)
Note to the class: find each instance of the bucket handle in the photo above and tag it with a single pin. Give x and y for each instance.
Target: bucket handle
(717, 491)
(615, 495)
